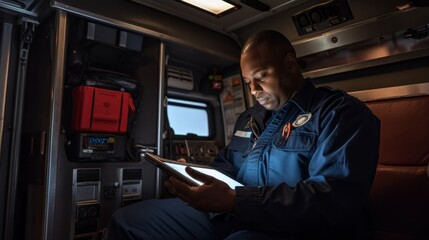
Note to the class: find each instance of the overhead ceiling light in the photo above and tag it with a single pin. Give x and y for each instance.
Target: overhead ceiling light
(215, 7)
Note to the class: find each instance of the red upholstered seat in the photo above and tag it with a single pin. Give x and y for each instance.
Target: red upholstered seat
(399, 197)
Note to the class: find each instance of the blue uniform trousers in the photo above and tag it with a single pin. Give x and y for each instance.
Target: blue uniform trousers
(172, 219)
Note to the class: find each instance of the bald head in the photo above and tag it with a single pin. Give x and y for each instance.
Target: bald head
(271, 39)
(269, 67)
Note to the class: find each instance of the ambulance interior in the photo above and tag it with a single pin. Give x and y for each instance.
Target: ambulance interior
(170, 74)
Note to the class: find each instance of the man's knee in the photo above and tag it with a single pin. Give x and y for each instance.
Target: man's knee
(141, 219)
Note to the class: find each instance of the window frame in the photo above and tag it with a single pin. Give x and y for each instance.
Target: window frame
(210, 117)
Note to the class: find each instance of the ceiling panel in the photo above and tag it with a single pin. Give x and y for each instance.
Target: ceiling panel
(227, 23)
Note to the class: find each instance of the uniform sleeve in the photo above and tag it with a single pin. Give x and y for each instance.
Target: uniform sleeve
(222, 163)
(341, 172)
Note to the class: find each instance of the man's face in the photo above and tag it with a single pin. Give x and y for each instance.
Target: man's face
(268, 76)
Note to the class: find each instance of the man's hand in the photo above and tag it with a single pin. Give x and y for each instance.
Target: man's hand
(214, 195)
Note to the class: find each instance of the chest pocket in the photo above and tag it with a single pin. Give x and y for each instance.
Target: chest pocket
(297, 141)
(240, 144)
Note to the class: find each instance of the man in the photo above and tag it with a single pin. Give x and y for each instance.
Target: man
(306, 156)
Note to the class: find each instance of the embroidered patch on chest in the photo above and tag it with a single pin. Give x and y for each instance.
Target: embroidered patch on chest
(301, 120)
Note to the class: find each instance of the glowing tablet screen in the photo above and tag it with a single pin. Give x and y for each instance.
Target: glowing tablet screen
(209, 171)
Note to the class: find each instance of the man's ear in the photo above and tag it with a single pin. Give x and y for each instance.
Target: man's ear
(290, 61)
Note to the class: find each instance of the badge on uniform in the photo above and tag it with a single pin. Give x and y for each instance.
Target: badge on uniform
(285, 134)
(301, 120)
(242, 134)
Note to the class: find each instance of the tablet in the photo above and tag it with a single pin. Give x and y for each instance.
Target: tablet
(177, 169)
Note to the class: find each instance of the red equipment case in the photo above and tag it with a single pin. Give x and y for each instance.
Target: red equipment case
(100, 110)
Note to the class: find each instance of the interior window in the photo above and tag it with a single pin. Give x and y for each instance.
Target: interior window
(188, 118)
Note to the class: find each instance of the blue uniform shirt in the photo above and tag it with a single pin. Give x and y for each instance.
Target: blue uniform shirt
(310, 170)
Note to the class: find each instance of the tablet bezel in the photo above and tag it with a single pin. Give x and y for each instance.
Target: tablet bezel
(160, 163)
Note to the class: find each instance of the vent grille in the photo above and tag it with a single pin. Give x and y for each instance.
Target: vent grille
(180, 78)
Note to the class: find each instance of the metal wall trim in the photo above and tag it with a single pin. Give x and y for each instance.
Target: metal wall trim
(18, 10)
(4, 71)
(161, 104)
(6, 39)
(412, 90)
(366, 64)
(55, 124)
(107, 20)
(362, 31)
(141, 29)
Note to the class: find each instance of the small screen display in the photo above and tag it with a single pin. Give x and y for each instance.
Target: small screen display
(98, 143)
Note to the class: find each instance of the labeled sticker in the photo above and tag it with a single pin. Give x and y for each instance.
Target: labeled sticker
(243, 134)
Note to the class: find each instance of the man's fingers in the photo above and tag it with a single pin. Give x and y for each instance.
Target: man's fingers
(199, 175)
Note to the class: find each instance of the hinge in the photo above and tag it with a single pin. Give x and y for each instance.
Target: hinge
(28, 27)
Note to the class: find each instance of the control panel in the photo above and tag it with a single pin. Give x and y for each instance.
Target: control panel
(196, 151)
(86, 203)
(97, 147)
(130, 186)
(322, 16)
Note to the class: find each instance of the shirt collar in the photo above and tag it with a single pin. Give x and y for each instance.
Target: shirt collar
(304, 95)
(260, 114)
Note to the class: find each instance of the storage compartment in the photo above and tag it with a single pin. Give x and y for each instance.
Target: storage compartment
(113, 37)
(100, 110)
(101, 33)
(130, 41)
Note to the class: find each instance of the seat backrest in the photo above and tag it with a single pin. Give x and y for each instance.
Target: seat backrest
(399, 198)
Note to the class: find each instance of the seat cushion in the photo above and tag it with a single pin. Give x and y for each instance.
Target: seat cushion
(399, 198)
